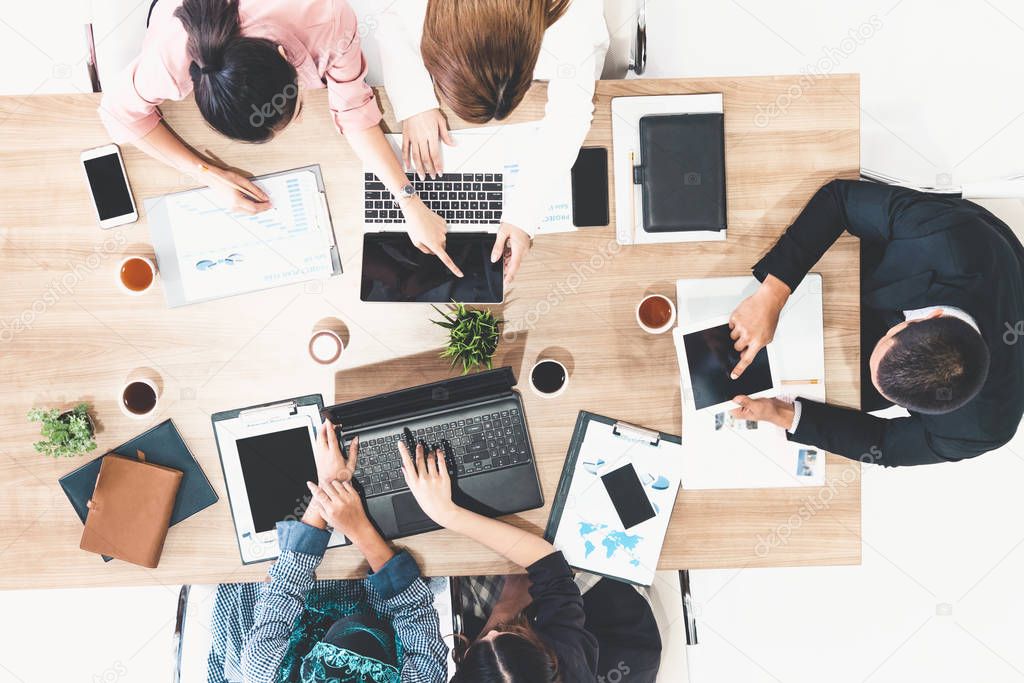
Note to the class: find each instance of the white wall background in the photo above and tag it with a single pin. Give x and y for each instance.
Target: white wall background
(937, 596)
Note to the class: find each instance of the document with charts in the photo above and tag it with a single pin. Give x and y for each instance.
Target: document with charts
(207, 252)
(722, 452)
(590, 506)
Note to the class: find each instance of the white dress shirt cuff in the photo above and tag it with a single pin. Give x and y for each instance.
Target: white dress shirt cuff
(797, 411)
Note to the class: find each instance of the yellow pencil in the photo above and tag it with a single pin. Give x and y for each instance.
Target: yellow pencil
(632, 200)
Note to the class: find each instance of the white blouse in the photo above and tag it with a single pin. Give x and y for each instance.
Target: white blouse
(571, 59)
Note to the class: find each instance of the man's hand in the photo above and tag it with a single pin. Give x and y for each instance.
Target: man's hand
(773, 410)
(339, 505)
(754, 321)
(330, 463)
(427, 231)
(421, 142)
(429, 482)
(512, 243)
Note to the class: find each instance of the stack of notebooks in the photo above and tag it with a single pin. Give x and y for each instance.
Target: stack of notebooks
(129, 497)
(670, 179)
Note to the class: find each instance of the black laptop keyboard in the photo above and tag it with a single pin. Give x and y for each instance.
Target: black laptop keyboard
(455, 197)
(473, 445)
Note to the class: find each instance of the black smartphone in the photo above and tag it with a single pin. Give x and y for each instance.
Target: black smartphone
(590, 188)
(628, 496)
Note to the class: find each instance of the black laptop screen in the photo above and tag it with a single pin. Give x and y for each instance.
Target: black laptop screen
(395, 270)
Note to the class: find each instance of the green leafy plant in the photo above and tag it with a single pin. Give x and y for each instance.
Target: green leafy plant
(65, 434)
(472, 336)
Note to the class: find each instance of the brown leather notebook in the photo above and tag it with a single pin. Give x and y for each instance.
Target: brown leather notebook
(130, 509)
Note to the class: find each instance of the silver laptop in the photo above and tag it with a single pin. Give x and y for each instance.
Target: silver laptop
(470, 195)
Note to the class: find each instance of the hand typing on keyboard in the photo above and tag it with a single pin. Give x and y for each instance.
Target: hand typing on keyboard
(428, 480)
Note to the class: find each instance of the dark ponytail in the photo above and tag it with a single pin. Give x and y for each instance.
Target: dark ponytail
(515, 654)
(243, 87)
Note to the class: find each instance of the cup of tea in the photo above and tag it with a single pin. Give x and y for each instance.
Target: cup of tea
(656, 314)
(548, 378)
(139, 398)
(136, 274)
(325, 346)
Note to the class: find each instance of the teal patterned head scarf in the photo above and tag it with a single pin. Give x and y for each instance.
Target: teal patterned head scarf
(328, 663)
(317, 652)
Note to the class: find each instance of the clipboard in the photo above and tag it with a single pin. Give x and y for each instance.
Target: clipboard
(264, 419)
(657, 459)
(179, 287)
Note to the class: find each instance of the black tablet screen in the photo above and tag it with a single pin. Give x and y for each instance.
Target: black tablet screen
(275, 468)
(711, 358)
(395, 270)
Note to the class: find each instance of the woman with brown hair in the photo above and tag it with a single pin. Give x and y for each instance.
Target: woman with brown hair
(482, 56)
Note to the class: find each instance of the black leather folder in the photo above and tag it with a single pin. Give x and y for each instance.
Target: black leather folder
(682, 172)
(162, 445)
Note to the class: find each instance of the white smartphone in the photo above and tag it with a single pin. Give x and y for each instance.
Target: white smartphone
(108, 186)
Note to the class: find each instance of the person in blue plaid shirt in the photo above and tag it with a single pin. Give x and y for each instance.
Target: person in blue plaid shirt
(381, 629)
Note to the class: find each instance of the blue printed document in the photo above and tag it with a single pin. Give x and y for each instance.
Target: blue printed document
(205, 251)
(587, 520)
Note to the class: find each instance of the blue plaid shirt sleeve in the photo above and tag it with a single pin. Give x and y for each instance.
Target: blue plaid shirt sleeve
(398, 592)
(281, 600)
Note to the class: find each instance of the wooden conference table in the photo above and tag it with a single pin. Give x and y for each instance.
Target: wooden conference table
(68, 334)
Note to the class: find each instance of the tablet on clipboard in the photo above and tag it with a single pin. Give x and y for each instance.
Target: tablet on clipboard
(267, 454)
(707, 357)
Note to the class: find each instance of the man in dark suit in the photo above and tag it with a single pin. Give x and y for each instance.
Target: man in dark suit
(942, 307)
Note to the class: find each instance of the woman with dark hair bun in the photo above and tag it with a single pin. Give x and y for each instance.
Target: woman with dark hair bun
(549, 627)
(247, 62)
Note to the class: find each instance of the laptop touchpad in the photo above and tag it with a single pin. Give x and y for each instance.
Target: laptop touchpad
(410, 515)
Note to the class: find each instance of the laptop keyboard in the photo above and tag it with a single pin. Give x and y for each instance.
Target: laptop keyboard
(472, 446)
(474, 198)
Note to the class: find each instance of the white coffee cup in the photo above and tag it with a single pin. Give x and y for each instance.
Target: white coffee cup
(671, 319)
(325, 347)
(124, 399)
(120, 274)
(549, 394)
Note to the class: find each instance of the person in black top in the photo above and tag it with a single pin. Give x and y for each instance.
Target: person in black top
(942, 308)
(552, 646)
(551, 640)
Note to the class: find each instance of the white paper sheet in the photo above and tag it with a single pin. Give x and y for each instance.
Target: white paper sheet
(222, 253)
(724, 453)
(590, 533)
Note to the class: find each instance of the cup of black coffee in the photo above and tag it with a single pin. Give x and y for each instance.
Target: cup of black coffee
(548, 378)
(138, 398)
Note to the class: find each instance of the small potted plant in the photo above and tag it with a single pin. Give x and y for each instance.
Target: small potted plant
(472, 336)
(65, 434)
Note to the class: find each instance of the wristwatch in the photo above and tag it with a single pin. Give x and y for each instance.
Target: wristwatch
(406, 192)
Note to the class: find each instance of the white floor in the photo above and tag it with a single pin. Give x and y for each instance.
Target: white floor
(937, 596)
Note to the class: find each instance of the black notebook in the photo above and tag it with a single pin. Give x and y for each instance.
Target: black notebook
(162, 445)
(682, 172)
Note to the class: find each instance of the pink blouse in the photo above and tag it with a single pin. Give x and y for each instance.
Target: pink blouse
(320, 37)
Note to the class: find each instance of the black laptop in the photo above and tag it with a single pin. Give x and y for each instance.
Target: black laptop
(477, 420)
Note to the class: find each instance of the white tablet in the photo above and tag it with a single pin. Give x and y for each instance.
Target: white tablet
(706, 360)
(267, 456)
